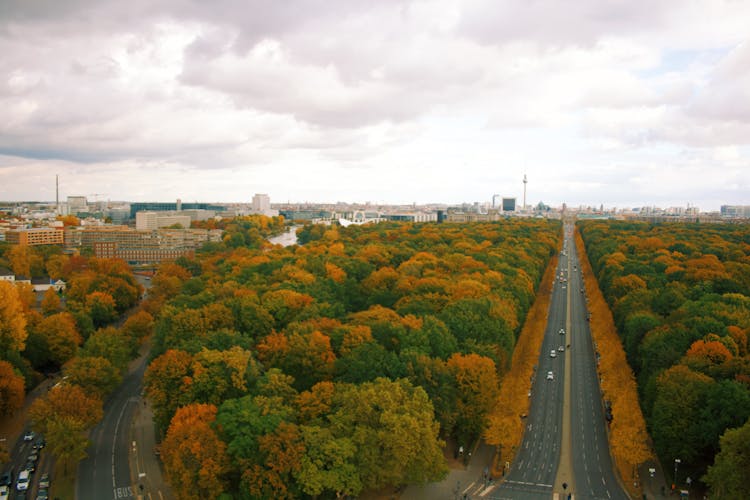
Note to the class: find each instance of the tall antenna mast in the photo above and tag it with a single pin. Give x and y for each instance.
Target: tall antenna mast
(525, 181)
(57, 194)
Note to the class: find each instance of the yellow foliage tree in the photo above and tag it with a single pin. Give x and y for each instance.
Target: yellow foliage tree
(12, 319)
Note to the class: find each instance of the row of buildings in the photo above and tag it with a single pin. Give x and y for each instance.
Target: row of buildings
(118, 241)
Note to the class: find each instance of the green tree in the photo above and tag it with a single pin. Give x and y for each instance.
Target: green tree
(727, 477)
(110, 344)
(392, 426)
(96, 375)
(327, 465)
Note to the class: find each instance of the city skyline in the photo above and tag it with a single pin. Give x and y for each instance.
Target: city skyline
(622, 104)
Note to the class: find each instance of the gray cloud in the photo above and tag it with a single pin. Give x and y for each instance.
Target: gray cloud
(395, 86)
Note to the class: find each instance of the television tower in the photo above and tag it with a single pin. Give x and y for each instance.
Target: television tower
(57, 194)
(524, 192)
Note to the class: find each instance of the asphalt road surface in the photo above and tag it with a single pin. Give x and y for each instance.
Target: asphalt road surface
(592, 463)
(547, 466)
(105, 473)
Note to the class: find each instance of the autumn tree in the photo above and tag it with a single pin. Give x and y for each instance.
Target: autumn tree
(56, 338)
(12, 319)
(101, 307)
(63, 415)
(477, 389)
(195, 459)
(11, 390)
(51, 303)
(167, 381)
(138, 326)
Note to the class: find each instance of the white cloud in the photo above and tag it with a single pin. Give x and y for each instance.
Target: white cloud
(434, 100)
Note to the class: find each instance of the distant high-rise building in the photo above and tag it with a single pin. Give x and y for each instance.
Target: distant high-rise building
(509, 204)
(261, 203)
(738, 211)
(148, 221)
(77, 204)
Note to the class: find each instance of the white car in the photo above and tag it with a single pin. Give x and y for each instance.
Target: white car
(22, 484)
(552, 354)
(4, 492)
(562, 331)
(550, 376)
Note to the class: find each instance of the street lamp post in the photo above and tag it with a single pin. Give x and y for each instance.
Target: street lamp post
(677, 461)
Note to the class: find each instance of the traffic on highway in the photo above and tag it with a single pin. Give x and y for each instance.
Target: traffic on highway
(564, 452)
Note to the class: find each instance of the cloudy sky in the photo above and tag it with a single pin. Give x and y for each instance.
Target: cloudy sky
(620, 102)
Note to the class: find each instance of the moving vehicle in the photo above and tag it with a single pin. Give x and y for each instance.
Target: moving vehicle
(28, 436)
(23, 480)
(561, 348)
(553, 354)
(39, 443)
(550, 376)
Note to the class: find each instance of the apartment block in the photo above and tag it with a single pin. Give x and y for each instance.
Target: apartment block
(35, 236)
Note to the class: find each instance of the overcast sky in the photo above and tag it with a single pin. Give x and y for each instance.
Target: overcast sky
(616, 102)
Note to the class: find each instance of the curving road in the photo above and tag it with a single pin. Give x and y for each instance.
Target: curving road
(120, 462)
(105, 473)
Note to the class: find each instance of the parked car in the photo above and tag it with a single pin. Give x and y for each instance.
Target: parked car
(44, 481)
(42, 494)
(7, 478)
(39, 443)
(29, 436)
(4, 492)
(30, 467)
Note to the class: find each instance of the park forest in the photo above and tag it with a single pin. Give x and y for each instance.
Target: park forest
(341, 365)
(344, 364)
(680, 297)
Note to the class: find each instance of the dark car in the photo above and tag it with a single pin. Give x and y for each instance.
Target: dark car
(39, 443)
(30, 466)
(7, 478)
(44, 481)
(42, 494)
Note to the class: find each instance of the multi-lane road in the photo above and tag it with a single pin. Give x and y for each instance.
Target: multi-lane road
(564, 450)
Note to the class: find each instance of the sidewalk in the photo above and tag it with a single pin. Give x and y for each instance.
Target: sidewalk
(12, 427)
(460, 480)
(653, 487)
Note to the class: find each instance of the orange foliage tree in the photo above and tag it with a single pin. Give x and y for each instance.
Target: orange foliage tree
(11, 390)
(195, 459)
